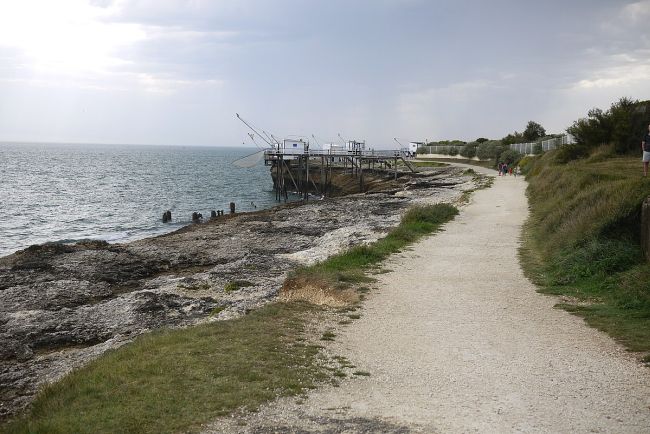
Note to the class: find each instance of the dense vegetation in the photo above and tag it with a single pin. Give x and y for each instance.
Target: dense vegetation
(582, 239)
(622, 127)
(498, 151)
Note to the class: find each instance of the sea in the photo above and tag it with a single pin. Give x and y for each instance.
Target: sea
(71, 192)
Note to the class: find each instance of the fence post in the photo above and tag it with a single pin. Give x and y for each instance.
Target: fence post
(645, 228)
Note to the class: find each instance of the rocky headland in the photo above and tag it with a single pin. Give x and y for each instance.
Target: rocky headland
(64, 305)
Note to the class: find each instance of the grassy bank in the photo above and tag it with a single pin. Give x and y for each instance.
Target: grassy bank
(582, 241)
(177, 380)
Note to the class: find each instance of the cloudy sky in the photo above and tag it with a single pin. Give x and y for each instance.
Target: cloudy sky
(176, 72)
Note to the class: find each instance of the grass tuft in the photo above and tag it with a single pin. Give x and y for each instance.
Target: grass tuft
(236, 285)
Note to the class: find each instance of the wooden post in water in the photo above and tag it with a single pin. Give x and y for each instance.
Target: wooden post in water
(232, 207)
(322, 175)
(360, 176)
(395, 163)
(307, 177)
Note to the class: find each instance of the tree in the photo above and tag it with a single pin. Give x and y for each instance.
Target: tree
(490, 150)
(620, 126)
(469, 150)
(533, 131)
(515, 137)
(481, 140)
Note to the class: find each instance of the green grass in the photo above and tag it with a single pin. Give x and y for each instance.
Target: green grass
(350, 267)
(582, 241)
(236, 285)
(217, 310)
(175, 380)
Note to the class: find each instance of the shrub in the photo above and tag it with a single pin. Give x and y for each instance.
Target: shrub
(490, 149)
(510, 156)
(622, 125)
(453, 150)
(469, 150)
(567, 153)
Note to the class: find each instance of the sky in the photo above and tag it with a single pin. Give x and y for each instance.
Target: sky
(176, 72)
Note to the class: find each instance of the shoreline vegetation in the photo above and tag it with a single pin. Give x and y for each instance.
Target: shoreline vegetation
(173, 380)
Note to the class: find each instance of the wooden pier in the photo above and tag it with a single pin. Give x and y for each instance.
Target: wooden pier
(304, 170)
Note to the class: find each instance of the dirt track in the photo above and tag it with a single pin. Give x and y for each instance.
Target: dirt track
(457, 340)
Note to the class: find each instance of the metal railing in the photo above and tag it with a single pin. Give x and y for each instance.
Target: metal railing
(547, 145)
(442, 149)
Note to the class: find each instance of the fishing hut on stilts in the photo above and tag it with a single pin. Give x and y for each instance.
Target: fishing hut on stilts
(295, 168)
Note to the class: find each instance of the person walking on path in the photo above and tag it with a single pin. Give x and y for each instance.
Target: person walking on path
(645, 147)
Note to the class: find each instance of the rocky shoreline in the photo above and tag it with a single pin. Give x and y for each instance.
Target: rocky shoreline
(64, 305)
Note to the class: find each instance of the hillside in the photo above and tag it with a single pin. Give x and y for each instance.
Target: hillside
(582, 240)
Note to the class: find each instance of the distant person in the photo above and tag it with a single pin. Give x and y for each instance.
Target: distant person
(510, 171)
(505, 168)
(500, 168)
(645, 147)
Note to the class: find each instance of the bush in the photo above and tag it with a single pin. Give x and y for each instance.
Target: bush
(526, 163)
(510, 157)
(469, 150)
(537, 149)
(453, 150)
(490, 150)
(622, 125)
(567, 153)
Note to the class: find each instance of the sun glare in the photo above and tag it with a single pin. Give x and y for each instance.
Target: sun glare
(65, 37)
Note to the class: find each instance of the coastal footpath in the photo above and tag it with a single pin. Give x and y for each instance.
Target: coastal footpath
(456, 339)
(62, 306)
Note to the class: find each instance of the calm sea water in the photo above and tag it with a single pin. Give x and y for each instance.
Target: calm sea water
(56, 192)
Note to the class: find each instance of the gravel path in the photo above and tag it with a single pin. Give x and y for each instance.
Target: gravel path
(457, 340)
